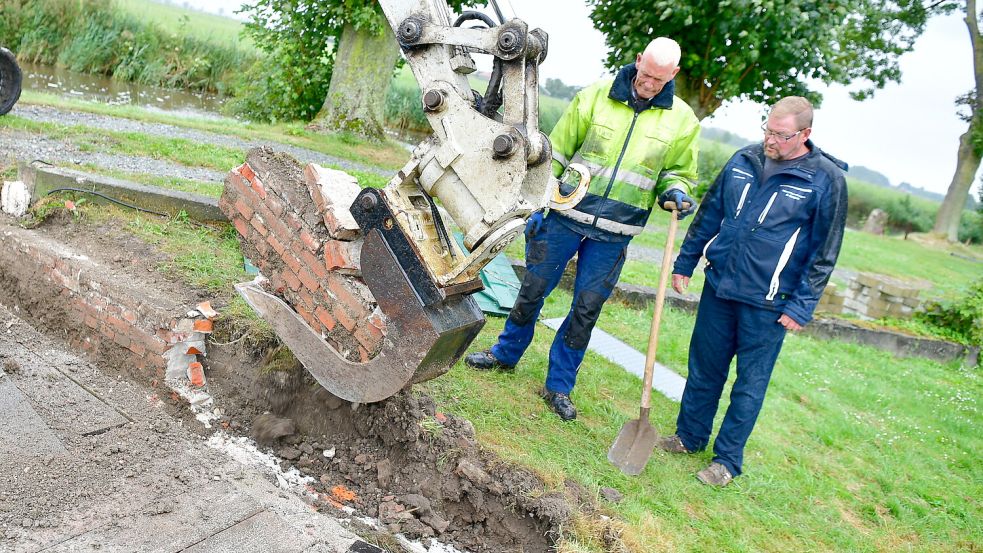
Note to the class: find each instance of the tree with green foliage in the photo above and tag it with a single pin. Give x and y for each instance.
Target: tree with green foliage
(329, 62)
(762, 50)
(558, 89)
(971, 142)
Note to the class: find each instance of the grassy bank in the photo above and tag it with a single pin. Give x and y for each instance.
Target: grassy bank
(100, 37)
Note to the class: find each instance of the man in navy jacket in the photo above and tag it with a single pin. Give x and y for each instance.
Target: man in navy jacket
(770, 228)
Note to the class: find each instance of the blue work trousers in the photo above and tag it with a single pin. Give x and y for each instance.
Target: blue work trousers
(725, 329)
(599, 265)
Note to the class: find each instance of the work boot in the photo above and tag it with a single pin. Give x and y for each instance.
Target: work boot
(485, 361)
(715, 475)
(560, 404)
(672, 444)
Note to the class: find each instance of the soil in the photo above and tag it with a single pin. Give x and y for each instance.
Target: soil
(420, 472)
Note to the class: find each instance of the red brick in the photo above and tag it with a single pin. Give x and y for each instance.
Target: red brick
(118, 325)
(340, 288)
(306, 298)
(244, 209)
(378, 321)
(342, 256)
(197, 374)
(91, 322)
(258, 224)
(313, 264)
(325, 317)
(240, 185)
(344, 318)
(368, 335)
(294, 221)
(308, 280)
(129, 316)
(138, 348)
(306, 315)
(155, 345)
(291, 280)
(246, 171)
(259, 187)
(363, 355)
(312, 243)
(277, 246)
(276, 205)
(241, 226)
(292, 262)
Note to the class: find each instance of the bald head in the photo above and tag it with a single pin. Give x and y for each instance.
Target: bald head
(656, 66)
(663, 51)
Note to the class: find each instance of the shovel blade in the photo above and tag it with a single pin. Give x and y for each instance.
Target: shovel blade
(633, 447)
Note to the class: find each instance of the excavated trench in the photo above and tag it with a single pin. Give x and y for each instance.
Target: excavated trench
(419, 472)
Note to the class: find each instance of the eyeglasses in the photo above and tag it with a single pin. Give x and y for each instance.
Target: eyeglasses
(778, 135)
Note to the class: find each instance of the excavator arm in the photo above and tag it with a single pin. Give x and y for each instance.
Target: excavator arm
(487, 165)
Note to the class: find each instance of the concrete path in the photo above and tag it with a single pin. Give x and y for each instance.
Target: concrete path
(93, 463)
(664, 380)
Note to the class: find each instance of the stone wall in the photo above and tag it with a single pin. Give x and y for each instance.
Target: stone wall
(872, 296)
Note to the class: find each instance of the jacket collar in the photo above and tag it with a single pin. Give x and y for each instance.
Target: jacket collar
(808, 163)
(622, 85)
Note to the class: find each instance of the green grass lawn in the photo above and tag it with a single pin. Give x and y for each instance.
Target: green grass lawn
(854, 451)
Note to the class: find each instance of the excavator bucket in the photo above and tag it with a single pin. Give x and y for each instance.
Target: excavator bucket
(423, 341)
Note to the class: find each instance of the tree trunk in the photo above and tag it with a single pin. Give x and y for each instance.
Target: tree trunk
(360, 79)
(702, 107)
(968, 159)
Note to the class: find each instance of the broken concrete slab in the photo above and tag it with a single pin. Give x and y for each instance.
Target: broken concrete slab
(41, 179)
(24, 432)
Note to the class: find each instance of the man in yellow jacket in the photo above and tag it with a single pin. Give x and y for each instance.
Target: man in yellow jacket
(640, 143)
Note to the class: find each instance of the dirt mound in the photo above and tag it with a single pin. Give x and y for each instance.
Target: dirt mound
(419, 471)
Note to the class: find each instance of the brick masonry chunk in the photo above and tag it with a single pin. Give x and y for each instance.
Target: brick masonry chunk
(310, 251)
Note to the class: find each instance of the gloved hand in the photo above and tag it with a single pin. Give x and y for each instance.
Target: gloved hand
(684, 204)
(533, 225)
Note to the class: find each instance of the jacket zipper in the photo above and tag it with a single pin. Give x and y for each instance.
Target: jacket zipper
(764, 212)
(740, 204)
(617, 165)
(782, 262)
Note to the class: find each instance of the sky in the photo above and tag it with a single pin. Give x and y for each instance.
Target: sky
(909, 131)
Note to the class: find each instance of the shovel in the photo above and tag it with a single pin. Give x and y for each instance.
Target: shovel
(633, 447)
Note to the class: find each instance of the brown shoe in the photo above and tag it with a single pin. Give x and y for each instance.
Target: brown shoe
(672, 444)
(715, 475)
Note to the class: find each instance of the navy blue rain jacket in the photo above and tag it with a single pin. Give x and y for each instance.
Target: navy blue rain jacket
(771, 244)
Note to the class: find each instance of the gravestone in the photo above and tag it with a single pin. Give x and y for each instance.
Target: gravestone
(876, 221)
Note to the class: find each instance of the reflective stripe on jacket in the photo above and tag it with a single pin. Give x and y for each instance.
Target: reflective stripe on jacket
(633, 156)
(771, 244)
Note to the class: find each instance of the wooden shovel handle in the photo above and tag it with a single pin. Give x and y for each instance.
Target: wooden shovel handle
(660, 299)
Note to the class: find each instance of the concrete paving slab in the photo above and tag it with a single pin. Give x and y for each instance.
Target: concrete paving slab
(170, 524)
(664, 380)
(23, 432)
(261, 532)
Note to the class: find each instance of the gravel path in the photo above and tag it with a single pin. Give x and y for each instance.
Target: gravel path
(25, 146)
(48, 114)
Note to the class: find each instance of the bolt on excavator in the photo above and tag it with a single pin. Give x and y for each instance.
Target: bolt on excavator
(489, 167)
